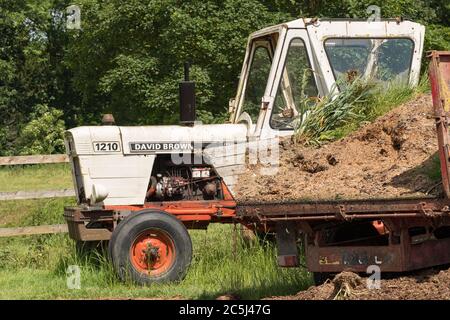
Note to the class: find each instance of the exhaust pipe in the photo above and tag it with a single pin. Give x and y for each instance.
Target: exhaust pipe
(187, 99)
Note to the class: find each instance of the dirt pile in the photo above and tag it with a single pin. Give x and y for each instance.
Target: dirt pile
(426, 285)
(395, 156)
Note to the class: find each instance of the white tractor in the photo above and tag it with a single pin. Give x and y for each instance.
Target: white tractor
(141, 187)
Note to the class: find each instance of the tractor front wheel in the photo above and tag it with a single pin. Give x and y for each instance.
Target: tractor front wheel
(151, 246)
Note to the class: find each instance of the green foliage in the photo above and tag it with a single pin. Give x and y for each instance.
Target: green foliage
(135, 64)
(437, 37)
(386, 97)
(128, 57)
(208, 117)
(31, 72)
(44, 134)
(317, 122)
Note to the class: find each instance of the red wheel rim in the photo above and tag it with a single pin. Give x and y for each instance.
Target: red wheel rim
(152, 252)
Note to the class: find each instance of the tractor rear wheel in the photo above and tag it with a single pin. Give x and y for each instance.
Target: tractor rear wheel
(151, 246)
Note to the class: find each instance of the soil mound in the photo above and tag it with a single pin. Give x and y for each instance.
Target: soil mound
(394, 156)
(430, 284)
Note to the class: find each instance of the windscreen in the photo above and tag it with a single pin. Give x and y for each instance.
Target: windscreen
(377, 59)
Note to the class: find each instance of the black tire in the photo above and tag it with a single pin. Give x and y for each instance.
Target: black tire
(137, 225)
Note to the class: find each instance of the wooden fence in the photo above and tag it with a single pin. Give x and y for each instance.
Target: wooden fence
(22, 195)
(27, 231)
(35, 159)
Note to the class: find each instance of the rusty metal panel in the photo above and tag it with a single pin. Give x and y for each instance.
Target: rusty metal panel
(439, 74)
(286, 235)
(390, 258)
(428, 254)
(77, 223)
(354, 258)
(346, 210)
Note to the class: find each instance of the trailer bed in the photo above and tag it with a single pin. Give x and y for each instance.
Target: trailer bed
(346, 210)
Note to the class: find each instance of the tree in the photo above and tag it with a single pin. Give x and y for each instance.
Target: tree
(29, 74)
(128, 58)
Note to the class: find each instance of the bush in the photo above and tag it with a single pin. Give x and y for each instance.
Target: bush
(44, 134)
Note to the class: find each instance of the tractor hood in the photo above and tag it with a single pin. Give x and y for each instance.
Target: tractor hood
(150, 139)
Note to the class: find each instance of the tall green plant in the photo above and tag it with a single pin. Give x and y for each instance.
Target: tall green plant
(316, 122)
(357, 102)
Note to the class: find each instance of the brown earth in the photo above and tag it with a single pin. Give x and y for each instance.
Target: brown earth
(391, 157)
(426, 285)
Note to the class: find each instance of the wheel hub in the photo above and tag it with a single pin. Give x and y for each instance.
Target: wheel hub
(152, 252)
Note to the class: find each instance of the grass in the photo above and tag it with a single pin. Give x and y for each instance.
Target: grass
(35, 177)
(434, 171)
(33, 212)
(34, 267)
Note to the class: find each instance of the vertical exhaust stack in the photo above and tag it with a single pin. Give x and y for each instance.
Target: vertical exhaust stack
(187, 99)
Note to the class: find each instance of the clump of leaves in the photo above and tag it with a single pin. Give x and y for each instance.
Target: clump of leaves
(317, 122)
(44, 134)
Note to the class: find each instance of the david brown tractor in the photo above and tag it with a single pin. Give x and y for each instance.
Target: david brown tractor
(142, 187)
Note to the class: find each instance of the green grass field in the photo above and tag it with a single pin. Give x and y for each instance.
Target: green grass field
(34, 267)
(35, 177)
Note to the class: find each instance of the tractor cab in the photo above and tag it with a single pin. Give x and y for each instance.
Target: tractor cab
(295, 63)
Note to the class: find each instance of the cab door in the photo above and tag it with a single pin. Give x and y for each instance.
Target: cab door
(295, 85)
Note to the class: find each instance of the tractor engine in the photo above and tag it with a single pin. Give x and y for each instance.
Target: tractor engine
(170, 182)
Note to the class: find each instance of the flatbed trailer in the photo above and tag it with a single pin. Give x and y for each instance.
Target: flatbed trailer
(395, 235)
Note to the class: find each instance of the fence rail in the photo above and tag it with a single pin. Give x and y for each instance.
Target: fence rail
(24, 195)
(36, 159)
(27, 231)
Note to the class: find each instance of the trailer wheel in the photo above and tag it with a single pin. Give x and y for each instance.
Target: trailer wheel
(149, 247)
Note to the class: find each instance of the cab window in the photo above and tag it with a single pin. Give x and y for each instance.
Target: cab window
(256, 82)
(376, 59)
(297, 90)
